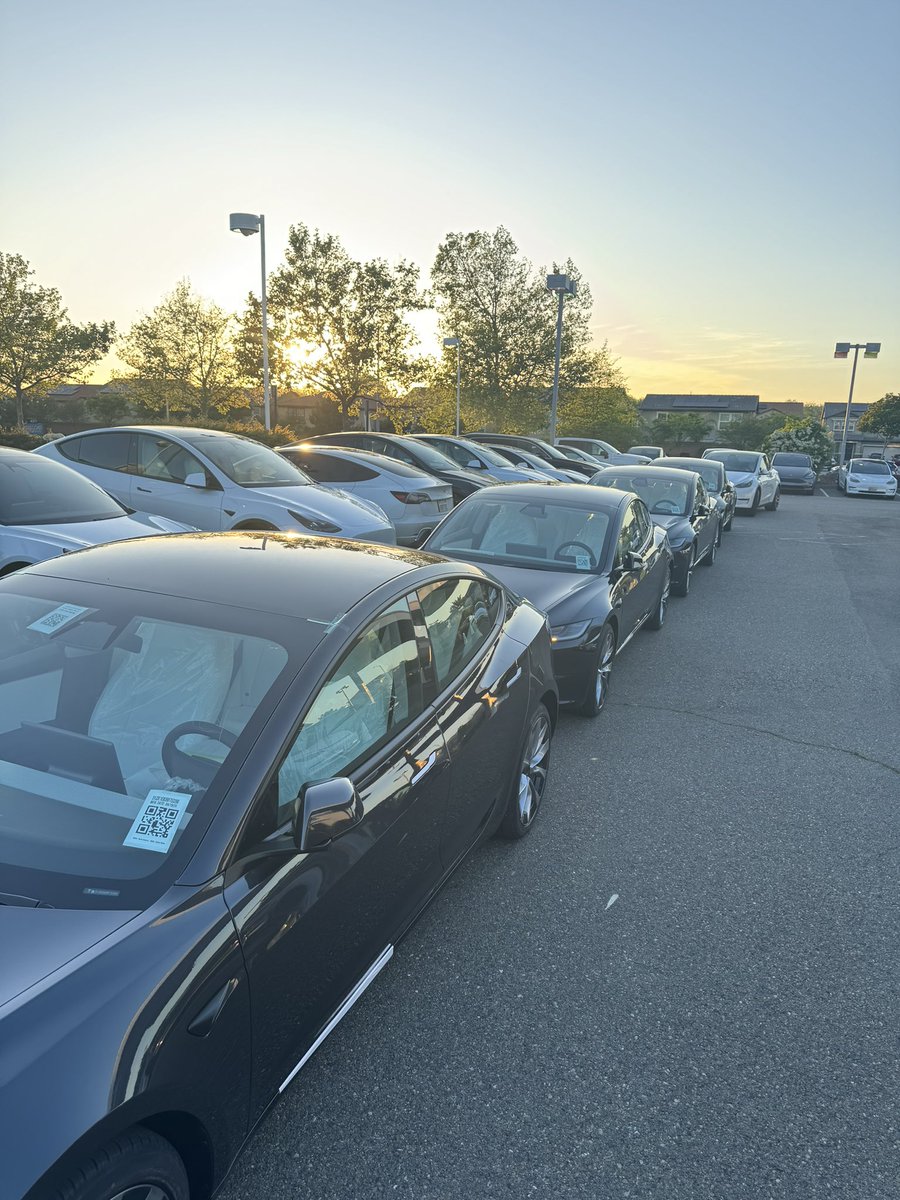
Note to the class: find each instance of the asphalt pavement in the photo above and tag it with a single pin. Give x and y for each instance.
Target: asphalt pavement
(684, 983)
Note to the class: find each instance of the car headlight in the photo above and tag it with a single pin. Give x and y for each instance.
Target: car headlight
(678, 547)
(746, 483)
(316, 524)
(569, 633)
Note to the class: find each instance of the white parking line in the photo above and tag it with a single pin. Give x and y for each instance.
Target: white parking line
(824, 493)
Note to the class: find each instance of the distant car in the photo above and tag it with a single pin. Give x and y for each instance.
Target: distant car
(47, 509)
(755, 483)
(651, 452)
(795, 471)
(552, 455)
(715, 480)
(539, 467)
(678, 503)
(590, 558)
(413, 500)
(412, 452)
(581, 456)
(222, 807)
(214, 481)
(867, 477)
(472, 456)
(606, 453)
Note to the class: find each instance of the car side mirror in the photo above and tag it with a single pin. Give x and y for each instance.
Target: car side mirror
(325, 811)
(196, 479)
(634, 562)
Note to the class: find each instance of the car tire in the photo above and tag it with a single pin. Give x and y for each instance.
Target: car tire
(729, 523)
(527, 789)
(601, 670)
(754, 507)
(662, 605)
(712, 552)
(683, 586)
(772, 506)
(136, 1162)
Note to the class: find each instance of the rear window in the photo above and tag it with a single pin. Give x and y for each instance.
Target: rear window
(36, 491)
(734, 460)
(329, 468)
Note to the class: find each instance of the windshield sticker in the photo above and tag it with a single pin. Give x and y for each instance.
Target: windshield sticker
(57, 618)
(156, 824)
(582, 562)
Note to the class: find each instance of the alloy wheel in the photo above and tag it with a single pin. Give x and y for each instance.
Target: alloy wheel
(533, 772)
(143, 1191)
(604, 668)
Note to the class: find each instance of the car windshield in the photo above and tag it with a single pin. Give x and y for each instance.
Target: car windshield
(791, 460)
(868, 467)
(734, 460)
(118, 713)
(663, 497)
(525, 533)
(430, 458)
(36, 491)
(486, 454)
(246, 462)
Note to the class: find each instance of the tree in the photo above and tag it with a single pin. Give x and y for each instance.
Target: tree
(40, 347)
(749, 433)
(882, 417)
(680, 428)
(497, 304)
(182, 358)
(608, 413)
(248, 350)
(807, 436)
(344, 324)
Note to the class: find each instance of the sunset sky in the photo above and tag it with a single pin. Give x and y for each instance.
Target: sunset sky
(725, 176)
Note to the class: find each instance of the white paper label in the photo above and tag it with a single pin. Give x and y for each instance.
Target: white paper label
(57, 618)
(157, 822)
(582, 562)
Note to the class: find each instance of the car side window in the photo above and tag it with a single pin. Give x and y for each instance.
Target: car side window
(331, 469)
(628, 536)
(645, 525)
(109, 451)
(460, 615)
(375, 691)
(394, 450)
(700, 499)
(160, 458)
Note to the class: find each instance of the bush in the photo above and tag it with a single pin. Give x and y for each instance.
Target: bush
(280, 435)
(19, 439)
(808, 436)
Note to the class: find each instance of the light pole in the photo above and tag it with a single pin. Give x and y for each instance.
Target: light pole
(450, 343)
(563, 286)
(248, 224)
(842, 350)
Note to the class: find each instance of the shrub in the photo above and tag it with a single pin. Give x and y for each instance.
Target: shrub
(19, 439)
(280, 435)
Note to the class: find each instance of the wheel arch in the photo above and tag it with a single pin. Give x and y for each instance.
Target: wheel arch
(191, 1140)
(16, 566)
(255, 523)
(551, 703)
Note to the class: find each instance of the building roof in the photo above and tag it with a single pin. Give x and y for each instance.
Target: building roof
(790, 408)
(696, 403)
(837, 410)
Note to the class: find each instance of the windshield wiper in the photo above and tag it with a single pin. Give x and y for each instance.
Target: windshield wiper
(22, 901)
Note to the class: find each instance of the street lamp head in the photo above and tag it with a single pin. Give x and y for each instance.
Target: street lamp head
(450, 342)
(842, 350)
(562, 283)
(245, 223)
(872, 349)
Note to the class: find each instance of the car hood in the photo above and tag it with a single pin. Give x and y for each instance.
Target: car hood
(315, 501)
(562, 596)
(34, 942)
(76, 535)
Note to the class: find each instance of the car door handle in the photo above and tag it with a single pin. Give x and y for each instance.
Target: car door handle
(425, 767)
(140, 489)
(507, 683)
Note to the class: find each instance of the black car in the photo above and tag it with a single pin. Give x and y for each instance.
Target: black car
(233, 770)
(591, 559)
(416, 454)
(715, 480)
(539, 448)
(797, 472)
(678, 503)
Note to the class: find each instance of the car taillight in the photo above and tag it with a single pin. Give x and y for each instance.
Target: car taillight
(412, 497)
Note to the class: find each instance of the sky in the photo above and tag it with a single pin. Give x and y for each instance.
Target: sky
(725, 176)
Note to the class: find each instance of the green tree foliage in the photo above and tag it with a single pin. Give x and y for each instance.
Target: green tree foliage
(807, 436)
(608, 413)
(497, 304)
(679, 429)
(182, 359)
(883, 417)
(110, 405)
(248, 350)
(40, 347)
(749, 433)
(351, 318)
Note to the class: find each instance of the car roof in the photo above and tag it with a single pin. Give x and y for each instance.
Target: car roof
(684, 458)
(272, 572)
(370, 457)
(650, 471)
(556, 491)
(170, 430)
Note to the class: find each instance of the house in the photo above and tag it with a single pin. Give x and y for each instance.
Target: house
(718, 411)
(787, 408)
(859, 445)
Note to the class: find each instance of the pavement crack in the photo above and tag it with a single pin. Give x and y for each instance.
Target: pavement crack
(773, 733)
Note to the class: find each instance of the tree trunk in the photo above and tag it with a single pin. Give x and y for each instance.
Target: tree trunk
(20, 407)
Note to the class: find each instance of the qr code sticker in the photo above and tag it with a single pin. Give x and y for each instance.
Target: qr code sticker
(57, 617)
(157, 822)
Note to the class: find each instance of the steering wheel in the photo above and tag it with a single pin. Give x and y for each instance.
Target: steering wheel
(666, 506)
(559, 556)
(190, 766)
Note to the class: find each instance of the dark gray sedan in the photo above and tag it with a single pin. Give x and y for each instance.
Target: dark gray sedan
(234, 768)
(796, 471)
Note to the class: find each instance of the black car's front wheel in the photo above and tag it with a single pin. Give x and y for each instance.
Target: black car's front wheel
(662, 607)
(527, 789)
(712, 551)
(600, 672)
(136, 1165)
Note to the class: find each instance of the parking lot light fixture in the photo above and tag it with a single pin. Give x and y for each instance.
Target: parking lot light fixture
(450, 343)
(564, 286)
(842, 350)
(248, 224)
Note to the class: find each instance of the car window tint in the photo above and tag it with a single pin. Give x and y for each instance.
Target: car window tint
(160, 458)
(373, 693)
(627, 535)
(331, 468)
(459, 615)
(395, 450)
(106, 450)
(645, 525)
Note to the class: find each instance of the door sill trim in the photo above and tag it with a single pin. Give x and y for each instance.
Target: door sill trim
(376, 968)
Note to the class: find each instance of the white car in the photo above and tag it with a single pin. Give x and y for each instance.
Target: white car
(214, 481)
(867, 477)
(756, 483)
(47, 509)
(606, 453)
